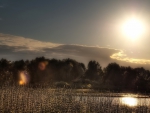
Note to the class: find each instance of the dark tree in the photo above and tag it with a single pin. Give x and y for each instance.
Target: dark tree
(94, 71)
(113, 78)
(5, 72)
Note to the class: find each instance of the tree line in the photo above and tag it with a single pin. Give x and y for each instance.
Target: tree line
(70, 73)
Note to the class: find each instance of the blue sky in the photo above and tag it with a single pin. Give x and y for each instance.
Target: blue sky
(79, 22)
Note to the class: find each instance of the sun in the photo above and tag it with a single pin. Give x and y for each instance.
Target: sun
(133, 28)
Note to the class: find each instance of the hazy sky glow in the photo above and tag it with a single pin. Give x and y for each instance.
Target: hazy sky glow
(58, 23)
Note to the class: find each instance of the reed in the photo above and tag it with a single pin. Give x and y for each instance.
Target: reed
(16, 99)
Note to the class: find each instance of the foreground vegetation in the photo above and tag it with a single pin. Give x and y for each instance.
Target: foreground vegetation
(46, 100)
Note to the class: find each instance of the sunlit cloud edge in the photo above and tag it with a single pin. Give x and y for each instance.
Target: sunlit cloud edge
(121, 56)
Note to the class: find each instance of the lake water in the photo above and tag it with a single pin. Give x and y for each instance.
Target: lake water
(126, 100)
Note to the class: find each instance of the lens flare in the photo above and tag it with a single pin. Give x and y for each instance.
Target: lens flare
(23, 78)
(42, 65)
(21, 82)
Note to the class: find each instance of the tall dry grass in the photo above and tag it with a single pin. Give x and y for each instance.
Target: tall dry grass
(46, 100)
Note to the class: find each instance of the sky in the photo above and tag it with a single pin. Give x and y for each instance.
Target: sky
(80, 29)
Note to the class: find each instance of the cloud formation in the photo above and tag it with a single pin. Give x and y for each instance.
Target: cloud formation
(16, 47)
(123, 57)
(29, 44)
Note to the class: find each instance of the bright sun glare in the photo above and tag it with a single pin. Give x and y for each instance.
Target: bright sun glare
(133, 28)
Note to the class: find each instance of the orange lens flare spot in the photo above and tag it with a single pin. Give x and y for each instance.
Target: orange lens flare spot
(23, 78)
(21, 82)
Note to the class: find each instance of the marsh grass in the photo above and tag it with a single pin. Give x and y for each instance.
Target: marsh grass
(46, 100)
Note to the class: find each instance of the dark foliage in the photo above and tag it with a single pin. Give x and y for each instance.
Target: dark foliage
(42, 71)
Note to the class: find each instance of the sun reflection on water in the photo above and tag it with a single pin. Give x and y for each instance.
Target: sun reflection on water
(130, 101)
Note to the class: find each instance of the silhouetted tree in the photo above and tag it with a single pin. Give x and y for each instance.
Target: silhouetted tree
(142, 80)
(5, 72)
(94, 71)
(68, 70)
(50, 71)
(113, 78)
(38, 71)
